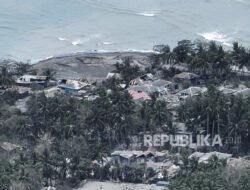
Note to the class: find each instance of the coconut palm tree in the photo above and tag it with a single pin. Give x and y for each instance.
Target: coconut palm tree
(6, 79)
(167, 56)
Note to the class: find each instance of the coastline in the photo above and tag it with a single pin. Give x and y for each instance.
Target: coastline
(94, 65)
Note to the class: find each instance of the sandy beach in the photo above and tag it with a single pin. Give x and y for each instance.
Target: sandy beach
(89, 65)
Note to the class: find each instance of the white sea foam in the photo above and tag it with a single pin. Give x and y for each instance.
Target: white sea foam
(244, 1)
(62, 39)
(107, 43)
(139, 50)
(146, 14)
(76, 42)
(216, 36)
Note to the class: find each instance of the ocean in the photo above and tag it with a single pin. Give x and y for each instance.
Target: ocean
(31, 30)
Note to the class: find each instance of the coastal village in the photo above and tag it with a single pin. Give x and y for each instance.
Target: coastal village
(164, 164)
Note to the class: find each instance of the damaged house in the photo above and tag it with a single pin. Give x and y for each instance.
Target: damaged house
(186, 76)
(191, 91)
(149, 89)
(71, 85)
(27, 80)
(137, 96)
(165, 84)
(137, 157)
(142, 79)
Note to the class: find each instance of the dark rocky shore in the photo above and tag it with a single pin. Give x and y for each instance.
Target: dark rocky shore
(89, 65)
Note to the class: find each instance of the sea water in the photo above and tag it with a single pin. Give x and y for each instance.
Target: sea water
(38, 29)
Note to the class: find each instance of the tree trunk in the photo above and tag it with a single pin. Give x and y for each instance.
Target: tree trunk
(207, 123)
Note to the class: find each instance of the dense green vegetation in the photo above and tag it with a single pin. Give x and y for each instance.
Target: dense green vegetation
(217, 113)
(62, 136)
(210, 60)
(128, 71)
(60, 128)
(213, 175)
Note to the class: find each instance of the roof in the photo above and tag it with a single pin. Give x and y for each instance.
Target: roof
(139, 95)
(35, 77)
(245, 92)
(181, 127)
(191, 91)
(204, 157)
(27, 79)
(238, 69)
(147, 88)
(130, 153)
(124, 154)
(115, 75)
(142, 79)
(186, 75)
(162, 183)
(72, 84)
(9, 146)
(158, 165)
(225, 90)
(173, 170)
(51, 91)
(161, 83)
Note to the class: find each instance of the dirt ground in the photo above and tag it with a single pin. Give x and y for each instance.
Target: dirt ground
(89, 65)
(96, 185)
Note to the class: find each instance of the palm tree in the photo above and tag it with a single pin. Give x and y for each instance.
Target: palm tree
(5, 77)
(45, 162)
(69, 131)
(24, 129)
(49, 73)
(160, 112)
(167, 56)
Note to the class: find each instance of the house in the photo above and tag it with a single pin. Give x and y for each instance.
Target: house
(113, 75)
(71, 85)
(191, 91)
(142, 79)
(27, 80)
(138, 157)
(48, 188)
(148, 89)
(10, 147)
(240, 71)
(51, 92)
(91, 97)
(139, 95)
(165, 84)
(173, 171)
(123, 157)
(186, 76)
(238, 163)
(226, 91)
(245, 92)
(204, 157)
(162, 183)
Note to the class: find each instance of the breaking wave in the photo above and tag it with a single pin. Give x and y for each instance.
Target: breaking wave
(216, 36)
(62, 39)
(76, 42)
(146, 14)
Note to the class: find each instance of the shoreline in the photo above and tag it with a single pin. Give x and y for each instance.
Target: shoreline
(35, 61)
(82, 53)
(94, 65)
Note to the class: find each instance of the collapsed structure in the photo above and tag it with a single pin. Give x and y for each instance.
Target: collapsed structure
(27, 80)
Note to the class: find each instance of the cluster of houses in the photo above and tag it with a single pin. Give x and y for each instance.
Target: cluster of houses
(161, 162)
(79, 88)
(174, 91)
(140, 88)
